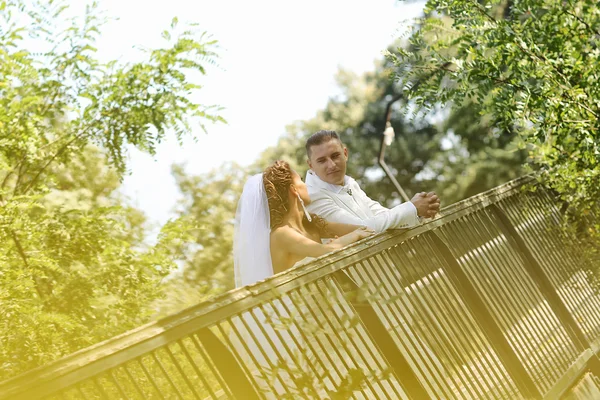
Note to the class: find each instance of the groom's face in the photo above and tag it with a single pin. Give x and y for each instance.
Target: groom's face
(328, 161)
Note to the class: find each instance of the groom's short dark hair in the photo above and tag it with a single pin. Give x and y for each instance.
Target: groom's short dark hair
(321, 137)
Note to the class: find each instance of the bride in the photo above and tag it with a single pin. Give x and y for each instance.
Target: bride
(273, 230)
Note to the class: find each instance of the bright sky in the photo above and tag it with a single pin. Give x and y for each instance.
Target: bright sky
(278, 64)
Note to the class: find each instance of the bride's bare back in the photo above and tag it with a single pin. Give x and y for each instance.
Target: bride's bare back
(281, 257)
(290, 245)
(293, 235)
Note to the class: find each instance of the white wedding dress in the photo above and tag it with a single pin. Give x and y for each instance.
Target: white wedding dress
(258, 337)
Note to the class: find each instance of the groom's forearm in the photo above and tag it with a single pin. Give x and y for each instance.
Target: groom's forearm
(400, 217)
(340, 229)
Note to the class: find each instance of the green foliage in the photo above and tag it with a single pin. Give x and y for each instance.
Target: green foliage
(531, 66)
(478, 158)
(206, 214)
(475, 156)
(74, 269)
(358, 115)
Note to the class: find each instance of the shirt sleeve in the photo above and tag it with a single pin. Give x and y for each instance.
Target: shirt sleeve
(400, 217)
(374, 206)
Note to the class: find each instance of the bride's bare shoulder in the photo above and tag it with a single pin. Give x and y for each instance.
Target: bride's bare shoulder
(285, 234)
(282, 231)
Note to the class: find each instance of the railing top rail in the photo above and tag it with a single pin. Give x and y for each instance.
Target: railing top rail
(133, 343)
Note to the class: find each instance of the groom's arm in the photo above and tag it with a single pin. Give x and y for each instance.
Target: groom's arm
(375, 207)
(400, 217)
(329, 229)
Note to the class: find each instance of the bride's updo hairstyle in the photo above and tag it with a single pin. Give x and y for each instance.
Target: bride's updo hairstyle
(277, 179)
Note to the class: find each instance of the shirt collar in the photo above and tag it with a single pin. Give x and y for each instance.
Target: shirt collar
(313, 180)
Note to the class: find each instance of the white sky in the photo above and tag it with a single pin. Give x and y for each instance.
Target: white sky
(278, 64)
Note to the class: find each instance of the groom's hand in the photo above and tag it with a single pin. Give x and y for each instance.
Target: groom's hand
(427, 204)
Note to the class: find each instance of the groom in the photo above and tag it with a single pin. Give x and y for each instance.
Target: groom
(338, 198)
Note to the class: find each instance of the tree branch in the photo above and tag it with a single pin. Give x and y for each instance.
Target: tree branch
(578, 18)
(20, 175)
(482, 10)
(56, 155)
(22, 160)
(5, 180)
(565, 86)
(23, 256)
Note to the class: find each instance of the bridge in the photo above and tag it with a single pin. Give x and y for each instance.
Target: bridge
(493, 300)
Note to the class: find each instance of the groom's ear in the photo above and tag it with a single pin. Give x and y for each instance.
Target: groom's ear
(309, 163)
(346, 153)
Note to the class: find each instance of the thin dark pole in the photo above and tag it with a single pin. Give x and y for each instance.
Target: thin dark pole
(381, 159)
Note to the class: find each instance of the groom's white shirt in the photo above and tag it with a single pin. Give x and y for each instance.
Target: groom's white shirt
(348, 204)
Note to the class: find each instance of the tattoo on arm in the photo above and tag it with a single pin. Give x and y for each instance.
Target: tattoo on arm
(322, 226)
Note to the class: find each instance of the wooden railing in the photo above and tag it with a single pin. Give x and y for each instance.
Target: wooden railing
(491, 300)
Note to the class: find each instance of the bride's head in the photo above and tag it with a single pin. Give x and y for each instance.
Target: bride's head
(283, 186)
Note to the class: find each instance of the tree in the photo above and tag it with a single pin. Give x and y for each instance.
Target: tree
(206, 214)
(458, 156)
(357, 114)
(530, 65)
(73, 266)
(475, 156)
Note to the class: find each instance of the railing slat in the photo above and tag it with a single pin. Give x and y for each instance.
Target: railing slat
(558, 306)
(228, 367)
(484, 302)
(487, 323)
(543, 282)
(384, 341)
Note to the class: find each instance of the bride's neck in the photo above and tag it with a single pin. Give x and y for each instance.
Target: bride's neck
(295, 216)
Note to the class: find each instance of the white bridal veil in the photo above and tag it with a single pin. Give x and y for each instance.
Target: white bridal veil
(251, 240)
(261, 346)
